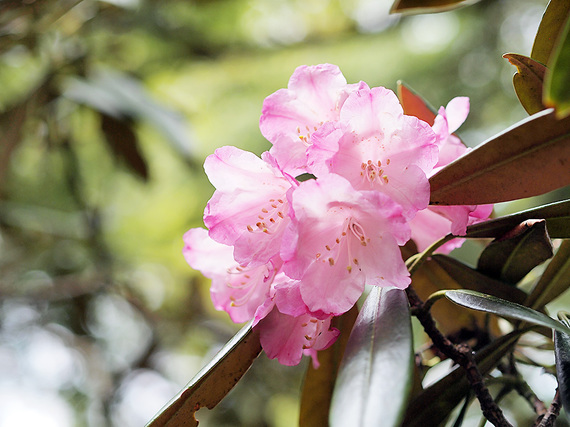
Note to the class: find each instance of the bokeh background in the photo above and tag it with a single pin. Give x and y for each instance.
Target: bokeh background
(107, 111)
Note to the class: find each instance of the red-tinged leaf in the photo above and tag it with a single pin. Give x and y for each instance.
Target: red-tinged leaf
(319, 383)
(213, 382)
(375, 375)
(123, 142)
(554, 281)
(549, 30)
(512, 256)
(414, 105)
(528, 159)
(468, 278)
(528, 81)
(433, 406)
(557, 216)
(427, 6)
(490, 304)
(557, 81)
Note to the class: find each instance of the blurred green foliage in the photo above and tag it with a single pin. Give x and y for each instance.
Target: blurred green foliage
(108, 109)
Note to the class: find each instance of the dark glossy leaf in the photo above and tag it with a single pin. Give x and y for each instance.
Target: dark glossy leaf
(528, 81)
(213, 382)
(123, 142)
(554, 281)
(319, 383)
(469, 278)
(375, 375)
(414, 105)
(562, 355)
(557, 216)
(427, 6)
(549, 29)
(557, 82)
(528, 159)
(504, 308)
(119, 95)
(435, 403)
(512, 256)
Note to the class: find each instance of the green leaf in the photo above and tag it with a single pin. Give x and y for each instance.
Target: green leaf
(414, 105)
(557, 216)
(468, 278)
(375, 375)
(557, 82)
(562, 355)
(554, 281)
(426, 6)
(319, 383)
(504, 308)
(213, 382)
(528, 159)
(549, 29)
(435, 403)
(528, 81)
(511, 257)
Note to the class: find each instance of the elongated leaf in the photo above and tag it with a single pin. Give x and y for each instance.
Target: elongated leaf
(468, 278)
(427, 6)
(435, 403)
(554, 281)
(557, 82)
(528, 81)
(504, 308)
(319, 383)
(119, 95)
(562, 355)
(375, 375)
(557, 216)
(512, 256)
(528, 159)
(549, 29)
(123, 142)
(414, 105)
(213, 382)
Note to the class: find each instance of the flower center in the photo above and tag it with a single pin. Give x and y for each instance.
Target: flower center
(373, 172)
(244, 281)
(335, 251)
(269, 217)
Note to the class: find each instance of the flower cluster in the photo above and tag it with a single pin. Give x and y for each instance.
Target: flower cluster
(293, 254)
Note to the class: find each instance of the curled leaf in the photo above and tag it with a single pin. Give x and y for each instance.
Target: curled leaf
(514, 255)
(557, 81)
(426, 6)
(528, 81)
(549, 29)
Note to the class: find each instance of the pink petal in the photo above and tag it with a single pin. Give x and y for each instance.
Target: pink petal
(457, 111)
(342, 238)
(287, 338)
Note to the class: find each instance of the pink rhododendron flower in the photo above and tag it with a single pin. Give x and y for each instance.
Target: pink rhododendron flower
(341, 239)
(287, 338)
(290, 116)
(249, 209)
(376, 147)
(433, 223)
(240, 291)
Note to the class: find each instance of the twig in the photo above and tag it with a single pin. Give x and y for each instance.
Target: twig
(549, 418)
(463, 356)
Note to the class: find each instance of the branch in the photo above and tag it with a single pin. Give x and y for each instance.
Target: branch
(463, 356)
